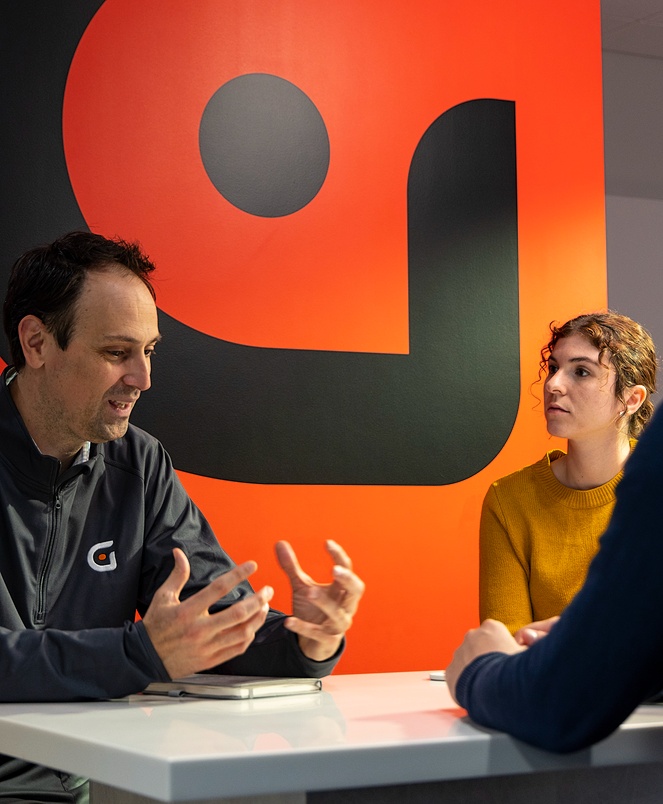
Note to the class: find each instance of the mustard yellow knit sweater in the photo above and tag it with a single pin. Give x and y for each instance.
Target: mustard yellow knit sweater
(536, 542)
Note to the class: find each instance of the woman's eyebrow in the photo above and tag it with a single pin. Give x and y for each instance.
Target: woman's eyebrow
(579, 359)
(582, 359)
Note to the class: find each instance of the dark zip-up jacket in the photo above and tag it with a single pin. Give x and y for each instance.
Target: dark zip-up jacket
(82, 551)
(605, 655)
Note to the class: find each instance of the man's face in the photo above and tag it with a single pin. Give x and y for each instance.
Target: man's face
(90, 388)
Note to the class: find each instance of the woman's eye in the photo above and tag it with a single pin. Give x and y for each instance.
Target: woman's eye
(552, 369)
(582, 372)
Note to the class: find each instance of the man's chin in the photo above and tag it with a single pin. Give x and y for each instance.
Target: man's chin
(110, 432)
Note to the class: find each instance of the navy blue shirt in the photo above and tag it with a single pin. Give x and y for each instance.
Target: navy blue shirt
(605, 655)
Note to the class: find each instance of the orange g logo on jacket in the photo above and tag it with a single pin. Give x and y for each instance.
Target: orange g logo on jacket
(100, 558)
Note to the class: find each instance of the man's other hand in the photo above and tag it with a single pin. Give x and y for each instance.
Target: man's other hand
(322, 613)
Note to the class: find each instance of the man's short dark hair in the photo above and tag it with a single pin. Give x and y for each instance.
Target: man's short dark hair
(47, 282)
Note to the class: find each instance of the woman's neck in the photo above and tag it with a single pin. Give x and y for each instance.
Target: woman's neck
(590, 464)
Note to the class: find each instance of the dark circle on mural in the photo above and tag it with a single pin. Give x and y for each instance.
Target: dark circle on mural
(264, 145)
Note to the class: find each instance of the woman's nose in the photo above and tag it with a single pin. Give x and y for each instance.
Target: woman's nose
(554, 382)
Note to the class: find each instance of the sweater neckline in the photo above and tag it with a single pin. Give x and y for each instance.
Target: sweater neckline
(574, 498)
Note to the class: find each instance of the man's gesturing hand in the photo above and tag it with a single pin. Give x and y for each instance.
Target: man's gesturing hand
(186, 636)
(322, 613)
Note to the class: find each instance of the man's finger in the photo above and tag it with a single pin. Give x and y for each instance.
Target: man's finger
(317, 632)
(337, 614)
(235, 640)
(344, 594)
(338, 554)
(244, 610)
(287, 559)
(352, 584)
(221, 586)
(179, 575)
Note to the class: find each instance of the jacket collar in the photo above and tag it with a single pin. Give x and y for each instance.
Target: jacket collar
(21, 452)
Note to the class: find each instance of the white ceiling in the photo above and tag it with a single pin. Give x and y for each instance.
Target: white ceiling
(633, 26)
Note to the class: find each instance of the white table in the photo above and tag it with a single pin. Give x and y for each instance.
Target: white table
(360, 732)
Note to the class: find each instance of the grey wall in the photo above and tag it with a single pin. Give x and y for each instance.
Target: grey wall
(633, 112)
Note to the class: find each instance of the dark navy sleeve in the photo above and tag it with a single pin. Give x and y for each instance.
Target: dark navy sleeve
(55, 665)
(605, 656)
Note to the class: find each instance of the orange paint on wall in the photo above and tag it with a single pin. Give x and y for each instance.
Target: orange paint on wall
(334, 275)
(415, 547)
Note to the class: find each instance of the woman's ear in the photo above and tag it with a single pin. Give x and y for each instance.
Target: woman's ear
(32, 335)
(634, 398)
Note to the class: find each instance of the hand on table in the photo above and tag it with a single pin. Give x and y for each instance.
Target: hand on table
(321, 613)
(529, 634)
(186, 636)
(490, 636)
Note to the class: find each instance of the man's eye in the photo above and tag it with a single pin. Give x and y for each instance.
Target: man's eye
(115, 352)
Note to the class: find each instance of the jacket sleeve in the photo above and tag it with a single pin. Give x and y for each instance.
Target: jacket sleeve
(56, 665)
(503, 577)
(275, 652)
(605, 656)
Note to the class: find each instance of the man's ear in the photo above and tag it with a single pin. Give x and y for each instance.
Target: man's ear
(634, 398)
(32, 335)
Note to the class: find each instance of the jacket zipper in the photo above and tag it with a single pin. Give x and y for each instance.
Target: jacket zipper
(40, 603)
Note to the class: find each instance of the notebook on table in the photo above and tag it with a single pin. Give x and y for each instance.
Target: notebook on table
(208, 685)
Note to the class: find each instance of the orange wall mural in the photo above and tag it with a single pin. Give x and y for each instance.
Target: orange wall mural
(329, 372)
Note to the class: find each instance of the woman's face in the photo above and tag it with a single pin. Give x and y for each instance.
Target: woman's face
(579, 392)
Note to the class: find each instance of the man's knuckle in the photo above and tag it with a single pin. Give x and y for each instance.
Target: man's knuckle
(246, 632)
(240, 611)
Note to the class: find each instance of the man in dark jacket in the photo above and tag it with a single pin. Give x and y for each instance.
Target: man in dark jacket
(95, 525)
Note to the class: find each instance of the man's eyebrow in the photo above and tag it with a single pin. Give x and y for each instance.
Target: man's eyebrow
(129, 339)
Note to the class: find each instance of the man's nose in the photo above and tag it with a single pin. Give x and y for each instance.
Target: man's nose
(139, 372)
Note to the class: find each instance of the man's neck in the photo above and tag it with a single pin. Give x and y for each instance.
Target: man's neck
(66, 456)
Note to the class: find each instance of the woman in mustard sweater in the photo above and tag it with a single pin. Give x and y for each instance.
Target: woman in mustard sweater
(540, 526)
